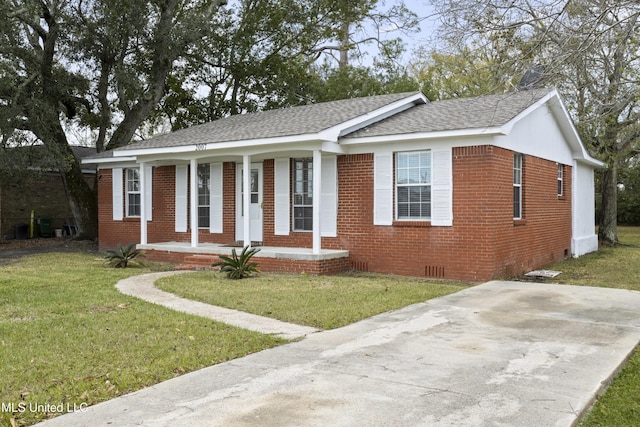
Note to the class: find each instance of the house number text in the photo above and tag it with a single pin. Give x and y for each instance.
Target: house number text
(201, 147)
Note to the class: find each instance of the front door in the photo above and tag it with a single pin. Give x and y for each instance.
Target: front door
(255, 209)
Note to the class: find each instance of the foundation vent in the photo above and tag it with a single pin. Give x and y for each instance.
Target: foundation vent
(362, 266)
(434, 271)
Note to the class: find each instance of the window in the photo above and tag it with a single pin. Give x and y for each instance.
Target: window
(413, 185)
(517, 186)
(303, 194)
(133, 192)
(204, 195)
(560, 167)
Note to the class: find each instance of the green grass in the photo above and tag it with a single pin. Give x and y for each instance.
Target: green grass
(612, 267)
(68, 336)
(320, 301)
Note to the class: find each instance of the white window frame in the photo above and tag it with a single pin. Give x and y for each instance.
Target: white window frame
(426, 183)
(518, 163)
(308, 161)
(560, 179)
(131, 189)
(204, 195)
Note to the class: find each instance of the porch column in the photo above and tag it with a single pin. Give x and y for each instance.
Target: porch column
(246, 198)
(143, 204)
(317, 191)
(193, 197)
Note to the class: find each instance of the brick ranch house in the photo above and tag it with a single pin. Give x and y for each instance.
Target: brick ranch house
(471, 189)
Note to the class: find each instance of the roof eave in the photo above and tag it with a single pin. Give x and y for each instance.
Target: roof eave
(101, 160)
(218, 146)
(456, 133)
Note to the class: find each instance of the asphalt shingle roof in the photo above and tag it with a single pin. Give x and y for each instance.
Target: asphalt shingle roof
(455, 114)
(274, 123)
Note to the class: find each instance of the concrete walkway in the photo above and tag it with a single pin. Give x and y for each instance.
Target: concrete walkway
(501, 353)
(143, 287)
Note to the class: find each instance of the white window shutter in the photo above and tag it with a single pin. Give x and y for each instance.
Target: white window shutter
(282, 209)
(329, 197)
(181, 211)
(215, 198)
(117, 192)
(148, 192)
(442, 189)
(383, 189)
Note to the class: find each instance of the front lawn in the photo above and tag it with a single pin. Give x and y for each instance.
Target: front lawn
(323, 302)
(67, 336)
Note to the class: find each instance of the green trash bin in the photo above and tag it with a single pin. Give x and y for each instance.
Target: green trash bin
(44, 227)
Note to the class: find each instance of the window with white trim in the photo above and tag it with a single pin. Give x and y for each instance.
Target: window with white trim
(517, 186)
(560, 179)
(413, 185)
(133, 192)
(204, 195)
(303, 194)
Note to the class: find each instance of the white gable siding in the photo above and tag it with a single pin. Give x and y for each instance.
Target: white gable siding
(537, 134)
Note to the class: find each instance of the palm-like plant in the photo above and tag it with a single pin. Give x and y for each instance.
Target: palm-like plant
(238, 267)
(123, 255)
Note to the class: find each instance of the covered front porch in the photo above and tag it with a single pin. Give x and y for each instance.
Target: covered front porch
(269, 258)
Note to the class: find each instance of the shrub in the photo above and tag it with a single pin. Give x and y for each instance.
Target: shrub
(238, 267)
(123, 255)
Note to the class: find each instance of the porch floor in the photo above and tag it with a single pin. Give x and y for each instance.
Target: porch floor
(299, 254)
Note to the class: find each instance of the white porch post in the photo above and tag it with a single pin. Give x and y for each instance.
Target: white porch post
(143, 204)
(246, 198)
(317, 191)
(193, 178)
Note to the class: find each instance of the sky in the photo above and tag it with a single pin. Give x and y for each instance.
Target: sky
(428, 23)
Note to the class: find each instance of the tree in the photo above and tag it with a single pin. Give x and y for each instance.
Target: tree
(629, 193)
(268, 55)
(351, 26)
(589, 49)
(96, 63)
(463, 74)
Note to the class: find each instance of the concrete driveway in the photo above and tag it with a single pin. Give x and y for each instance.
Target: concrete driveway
(498, 354)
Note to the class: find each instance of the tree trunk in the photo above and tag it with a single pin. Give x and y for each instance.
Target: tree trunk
(82, 199)
(608, 224)
(344, 45)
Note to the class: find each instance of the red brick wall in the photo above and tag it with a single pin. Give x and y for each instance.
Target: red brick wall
(162, 227)
(111, 232)
(43, 193)
(484, 243)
